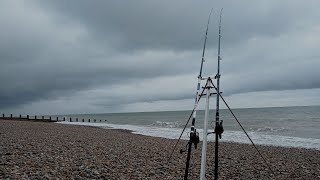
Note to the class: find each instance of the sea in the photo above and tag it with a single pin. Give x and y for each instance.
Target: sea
(297, 127)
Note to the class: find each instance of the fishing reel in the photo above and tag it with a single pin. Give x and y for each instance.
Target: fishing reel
(194, 139)
(219, 129)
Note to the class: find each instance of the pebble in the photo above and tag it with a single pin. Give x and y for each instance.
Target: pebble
(40, 150)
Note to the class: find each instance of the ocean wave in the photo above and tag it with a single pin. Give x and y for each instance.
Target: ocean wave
(165, 124)
(227, 136)
(289, 119)
(272, 129)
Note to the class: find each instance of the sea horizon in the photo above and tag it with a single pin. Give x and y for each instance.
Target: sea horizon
(124, 112)
(294, 126)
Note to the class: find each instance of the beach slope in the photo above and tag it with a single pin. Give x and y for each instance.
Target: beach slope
(52, 150)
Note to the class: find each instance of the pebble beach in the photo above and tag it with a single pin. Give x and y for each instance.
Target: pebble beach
(43, 150)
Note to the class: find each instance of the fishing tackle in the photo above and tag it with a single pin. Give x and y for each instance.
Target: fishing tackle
(218, 130)
(194, 135)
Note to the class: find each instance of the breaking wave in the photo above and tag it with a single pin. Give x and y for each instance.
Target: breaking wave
(165, 124)
(272, 129)
(227, 136)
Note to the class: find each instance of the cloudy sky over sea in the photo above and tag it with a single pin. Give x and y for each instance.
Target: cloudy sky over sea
(81, 56)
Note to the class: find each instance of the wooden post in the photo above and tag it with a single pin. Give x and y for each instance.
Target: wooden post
(28, 116)
(50, 118)
(89, 120)
(42, 117)
(77, 119)
(35, 117)
(3, 116)
(64, 118)
(82, 120)
(94, 120)
(57, 119)
(20, 116)
(70, 119)
(11, 116)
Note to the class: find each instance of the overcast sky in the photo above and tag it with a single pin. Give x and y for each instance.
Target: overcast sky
(81, 56)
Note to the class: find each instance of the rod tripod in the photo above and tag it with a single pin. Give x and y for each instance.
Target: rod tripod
(218, 130)
(194, 136)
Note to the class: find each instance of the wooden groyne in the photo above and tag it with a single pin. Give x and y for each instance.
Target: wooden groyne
(47, 118)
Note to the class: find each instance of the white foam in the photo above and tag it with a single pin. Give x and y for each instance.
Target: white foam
(227, 136)
(165, 124)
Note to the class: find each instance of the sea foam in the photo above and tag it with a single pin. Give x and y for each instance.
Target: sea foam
(227, 136)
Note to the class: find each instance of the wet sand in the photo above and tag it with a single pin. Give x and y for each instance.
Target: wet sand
(50, 150)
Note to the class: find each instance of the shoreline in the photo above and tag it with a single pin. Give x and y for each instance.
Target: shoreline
(229, 136)
(53, 150)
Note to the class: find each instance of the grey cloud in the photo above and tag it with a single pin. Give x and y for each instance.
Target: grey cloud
(39, 65)
(53, 49)
(136, 25)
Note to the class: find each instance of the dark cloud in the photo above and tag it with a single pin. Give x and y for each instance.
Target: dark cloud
(180, 25)
(56, 49)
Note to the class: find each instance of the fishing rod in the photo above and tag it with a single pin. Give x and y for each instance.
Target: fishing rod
(219, 128)
(194, 135)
